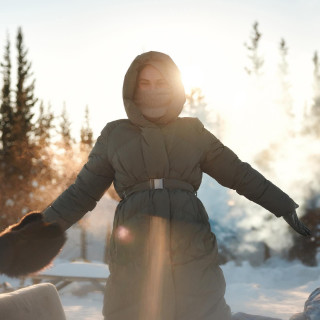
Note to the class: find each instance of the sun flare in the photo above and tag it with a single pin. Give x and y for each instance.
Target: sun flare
(192, 76)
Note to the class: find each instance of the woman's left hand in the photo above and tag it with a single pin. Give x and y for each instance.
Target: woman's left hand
(294, 222)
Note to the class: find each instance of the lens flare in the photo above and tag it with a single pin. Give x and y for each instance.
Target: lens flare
(158, 266)
(123, 234)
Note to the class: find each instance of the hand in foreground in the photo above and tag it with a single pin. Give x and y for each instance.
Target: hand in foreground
(30, 245)
(294, 222)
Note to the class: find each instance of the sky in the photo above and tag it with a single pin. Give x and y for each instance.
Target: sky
(80, 50)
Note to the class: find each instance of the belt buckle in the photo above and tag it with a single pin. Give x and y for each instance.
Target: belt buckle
(156, 183)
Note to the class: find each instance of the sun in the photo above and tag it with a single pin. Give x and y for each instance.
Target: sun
(192, 77)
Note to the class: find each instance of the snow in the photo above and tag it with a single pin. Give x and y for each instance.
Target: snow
(83, 308)
(24, 210)
(276, 289)
(9, 203)
(79, 269)
(35, 183)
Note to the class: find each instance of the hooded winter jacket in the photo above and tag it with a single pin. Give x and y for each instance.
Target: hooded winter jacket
(162, 253)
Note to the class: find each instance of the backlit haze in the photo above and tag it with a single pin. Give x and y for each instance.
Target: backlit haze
(80, 51)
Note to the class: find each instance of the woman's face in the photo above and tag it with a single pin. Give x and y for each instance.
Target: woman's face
(153, 93)
(150, 78)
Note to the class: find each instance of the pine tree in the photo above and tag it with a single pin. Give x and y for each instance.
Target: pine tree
(286, 99)
(312, 118)
(42, 131)
(25, 101)
(86, 144)
(195, 104)
(86, 133)
(315, 111)
(17, 194)
(197, 107)
(6, 110)
(6, 126)
(44, 125)
(69, 157)
(65, 129)
(255, 59)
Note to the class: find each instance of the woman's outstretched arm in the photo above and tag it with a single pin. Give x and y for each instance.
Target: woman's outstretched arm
(32, 243)
(91, 183)
(221, 163)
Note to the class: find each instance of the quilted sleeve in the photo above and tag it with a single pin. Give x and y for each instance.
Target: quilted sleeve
(222, 164)
(93, 180)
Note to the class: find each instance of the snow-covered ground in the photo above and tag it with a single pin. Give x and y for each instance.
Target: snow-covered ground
(83, 308)
(276, 289)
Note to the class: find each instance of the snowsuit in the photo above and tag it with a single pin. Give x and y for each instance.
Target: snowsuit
(162, 255)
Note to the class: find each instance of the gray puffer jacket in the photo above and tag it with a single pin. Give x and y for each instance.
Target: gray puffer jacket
(163, 255)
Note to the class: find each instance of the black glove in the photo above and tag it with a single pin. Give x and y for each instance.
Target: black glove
(30, 245)
(294, 222)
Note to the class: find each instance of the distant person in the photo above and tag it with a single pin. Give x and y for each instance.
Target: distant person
(163, 257)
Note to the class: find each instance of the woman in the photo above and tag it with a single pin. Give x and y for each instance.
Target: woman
(162, 254)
